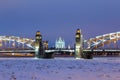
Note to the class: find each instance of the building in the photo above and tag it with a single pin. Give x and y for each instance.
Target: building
(60, 43)
(45, 45)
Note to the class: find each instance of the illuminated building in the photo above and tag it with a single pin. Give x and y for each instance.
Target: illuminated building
(45, 45)
(60, 43)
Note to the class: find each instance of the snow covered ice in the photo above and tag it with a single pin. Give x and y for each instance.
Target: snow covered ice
(60, 69)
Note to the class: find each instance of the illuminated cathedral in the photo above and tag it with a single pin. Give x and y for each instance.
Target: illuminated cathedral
(60, 43)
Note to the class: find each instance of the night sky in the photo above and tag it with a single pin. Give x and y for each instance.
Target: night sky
(54, 18)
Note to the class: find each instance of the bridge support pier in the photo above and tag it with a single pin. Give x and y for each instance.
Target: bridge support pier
(36, 51)
(39, 51)
(78, 45)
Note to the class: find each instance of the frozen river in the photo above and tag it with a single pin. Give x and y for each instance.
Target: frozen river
(105, 68)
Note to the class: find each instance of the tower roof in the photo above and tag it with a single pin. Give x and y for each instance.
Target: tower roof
(59, 40)
(38, 33)
(78, 31)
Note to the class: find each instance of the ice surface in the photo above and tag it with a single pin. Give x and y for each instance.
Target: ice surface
(60, 69)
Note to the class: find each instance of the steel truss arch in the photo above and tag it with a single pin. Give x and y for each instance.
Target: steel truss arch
(27, 41)
(99, 41)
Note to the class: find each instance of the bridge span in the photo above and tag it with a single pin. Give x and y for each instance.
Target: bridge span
(93, 51)
(39, 48)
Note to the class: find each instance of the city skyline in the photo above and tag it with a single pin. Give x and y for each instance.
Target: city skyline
(59, 18)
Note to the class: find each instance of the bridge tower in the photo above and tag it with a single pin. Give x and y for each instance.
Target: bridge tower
(39, 51)
(78, 44)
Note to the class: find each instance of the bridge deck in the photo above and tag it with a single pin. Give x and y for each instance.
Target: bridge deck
(48, 51)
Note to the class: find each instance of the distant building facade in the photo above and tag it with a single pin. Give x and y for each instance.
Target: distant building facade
(60, 43)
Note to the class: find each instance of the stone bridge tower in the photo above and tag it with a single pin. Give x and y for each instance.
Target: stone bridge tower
(39, 51)
(78, 44)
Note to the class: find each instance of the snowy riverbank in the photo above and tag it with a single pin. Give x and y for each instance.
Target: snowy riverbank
(60, 69)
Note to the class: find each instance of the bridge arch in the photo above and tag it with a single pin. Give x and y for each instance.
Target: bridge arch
(6, 40)
(102, 40)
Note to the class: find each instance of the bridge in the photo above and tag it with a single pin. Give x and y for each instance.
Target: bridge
(70, 53)
(99, 44)
(101, 41)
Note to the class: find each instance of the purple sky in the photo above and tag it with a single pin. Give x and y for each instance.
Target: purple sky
(54, 18)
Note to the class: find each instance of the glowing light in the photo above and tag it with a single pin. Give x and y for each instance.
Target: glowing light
(112, 33)
(36, 58)
(13, 53)
(77, 47)
(77, 58)
(78, 31)
(77, 36)
(13, 44)
(38, 33)
(0, 44)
